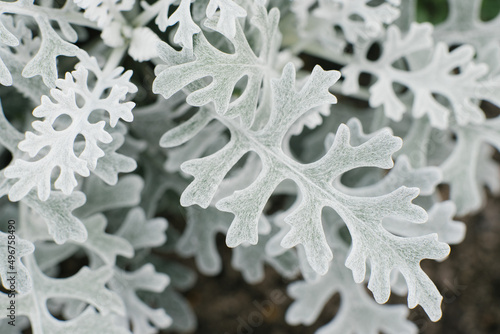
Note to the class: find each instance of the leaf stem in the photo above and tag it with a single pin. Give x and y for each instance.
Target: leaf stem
(115, 59)
(148, 14)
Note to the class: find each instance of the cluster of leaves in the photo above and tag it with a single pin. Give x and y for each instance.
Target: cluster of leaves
(233, 115)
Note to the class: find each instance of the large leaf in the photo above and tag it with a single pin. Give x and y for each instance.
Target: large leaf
(362, 215)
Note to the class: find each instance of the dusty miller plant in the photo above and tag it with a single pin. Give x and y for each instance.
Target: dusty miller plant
(328, 174)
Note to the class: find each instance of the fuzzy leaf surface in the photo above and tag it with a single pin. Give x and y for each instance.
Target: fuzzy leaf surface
(362, 215)
(226, 69)
(71, 91)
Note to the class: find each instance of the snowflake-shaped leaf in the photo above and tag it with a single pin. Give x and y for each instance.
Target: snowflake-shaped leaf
(76, 100)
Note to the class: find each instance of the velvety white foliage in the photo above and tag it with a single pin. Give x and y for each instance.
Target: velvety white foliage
(74, 89)
(358, 20)
(467, 164)
(162, 12)
(113, 163)
(103, 248)
(143, 318)
(250, 260)
(57, 210)
(8, 39)
(21, 247)
(87, 285)
(210, 137)
(464, 26)
(362, 215)
(51, 46)
(182, 279)
(421, 289)
(179, 309)
(228, 12)
(241, 179)
(104, 11)
(15, 58)
(461, 167)
(57, 214)
(225, 69)
(152, 120)
(141, 232)
(35, 56)
(440, 221)
(199, 238)
(274, 248)
(187, 28)
(402, 174)
(102, 197)
(243, 136)
(238, 146)
(358, 313)
(9, 139)
(135, 233)
(436, 76)
(106, 246)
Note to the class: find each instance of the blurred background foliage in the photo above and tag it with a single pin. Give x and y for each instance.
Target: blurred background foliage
(436, 11)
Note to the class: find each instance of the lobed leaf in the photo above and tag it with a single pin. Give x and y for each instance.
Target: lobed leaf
(225, 69)
(74, 88)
